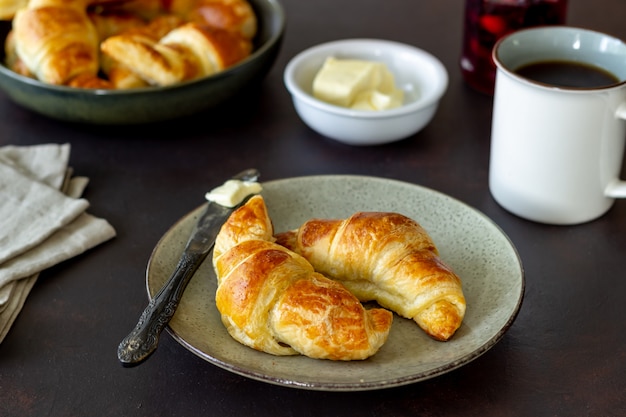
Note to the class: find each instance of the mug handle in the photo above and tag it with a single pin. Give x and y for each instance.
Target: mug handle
(617, 188)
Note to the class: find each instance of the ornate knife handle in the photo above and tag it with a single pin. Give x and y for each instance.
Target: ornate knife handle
(144, 338)
(142, 341)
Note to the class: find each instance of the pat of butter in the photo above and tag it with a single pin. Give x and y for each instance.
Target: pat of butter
(375, 100)
(232, 192)
(359, 84)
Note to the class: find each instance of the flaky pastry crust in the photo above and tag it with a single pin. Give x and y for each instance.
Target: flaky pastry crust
(272, 300)
(389, 258)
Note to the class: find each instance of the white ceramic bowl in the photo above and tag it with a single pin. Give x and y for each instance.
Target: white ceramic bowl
(421, 76)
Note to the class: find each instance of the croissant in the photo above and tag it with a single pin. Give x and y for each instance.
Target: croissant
(236, 16)
(145, 9)
(12, 59)
(187, 52)
(110, 22)
(115, 23)
(389, 258)
(272, 300)
(85, 80)
(8, 8)
(55, 40)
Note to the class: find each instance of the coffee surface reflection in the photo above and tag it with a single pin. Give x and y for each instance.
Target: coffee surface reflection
(567, 74)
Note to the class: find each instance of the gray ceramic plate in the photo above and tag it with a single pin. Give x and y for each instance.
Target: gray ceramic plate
(472, 244)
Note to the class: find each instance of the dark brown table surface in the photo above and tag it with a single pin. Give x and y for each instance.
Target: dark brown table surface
(565, 354)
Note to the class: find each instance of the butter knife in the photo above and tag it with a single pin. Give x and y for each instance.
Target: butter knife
(142, 341)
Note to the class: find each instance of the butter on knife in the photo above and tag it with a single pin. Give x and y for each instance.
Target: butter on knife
(232, 192)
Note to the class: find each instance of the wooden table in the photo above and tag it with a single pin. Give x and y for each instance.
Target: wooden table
(565, 354)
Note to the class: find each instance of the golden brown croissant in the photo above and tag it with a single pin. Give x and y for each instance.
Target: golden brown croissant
(235, 16)
(272, 300)
(119, 75)
(389, 258)
(12, 59)
(56, 40)
(146, 9)
(154, 29)
(187, 52)
(113, 23)
(110, 22)
(8, 8)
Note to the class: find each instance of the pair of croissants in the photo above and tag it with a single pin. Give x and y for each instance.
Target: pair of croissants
(121, 44)
(275, 292)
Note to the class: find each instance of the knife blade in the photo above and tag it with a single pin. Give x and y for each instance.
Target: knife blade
(142, 341)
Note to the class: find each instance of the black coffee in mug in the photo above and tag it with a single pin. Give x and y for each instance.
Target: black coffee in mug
(567, 74)
(556, 153)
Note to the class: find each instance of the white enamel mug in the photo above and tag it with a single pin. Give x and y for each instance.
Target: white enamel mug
(556, 152)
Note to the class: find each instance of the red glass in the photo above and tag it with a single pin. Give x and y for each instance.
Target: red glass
(486, 21)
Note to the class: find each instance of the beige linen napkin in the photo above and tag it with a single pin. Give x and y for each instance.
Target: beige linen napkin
(39, 225)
